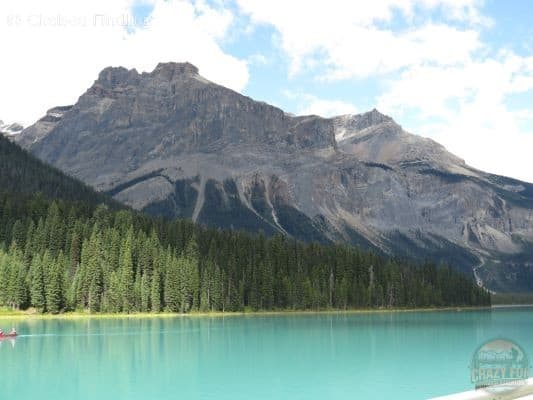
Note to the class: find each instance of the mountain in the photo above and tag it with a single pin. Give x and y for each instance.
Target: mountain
(10, 129)
(61, 249)
(174, 144)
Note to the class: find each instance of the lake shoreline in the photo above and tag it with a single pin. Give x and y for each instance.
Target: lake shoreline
(86, 315)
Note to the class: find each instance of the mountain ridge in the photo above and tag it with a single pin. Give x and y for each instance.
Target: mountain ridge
(172, 143)
(21, 174)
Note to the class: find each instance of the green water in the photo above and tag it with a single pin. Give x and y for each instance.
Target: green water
(312, 356)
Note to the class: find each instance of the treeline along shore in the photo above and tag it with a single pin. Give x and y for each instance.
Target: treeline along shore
(58, 256)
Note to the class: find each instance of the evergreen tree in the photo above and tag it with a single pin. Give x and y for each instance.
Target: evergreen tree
(16, 293)
(173, 289)
(155, 290)
(37, 284)
(54, 283)
(126, 274)
(113, 300)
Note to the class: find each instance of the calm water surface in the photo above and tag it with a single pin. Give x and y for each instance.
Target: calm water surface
(411, 355)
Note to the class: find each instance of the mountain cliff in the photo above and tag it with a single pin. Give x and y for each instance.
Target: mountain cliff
(174, 144)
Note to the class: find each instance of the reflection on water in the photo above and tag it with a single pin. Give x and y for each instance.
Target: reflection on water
(10, 341)
(308, 356)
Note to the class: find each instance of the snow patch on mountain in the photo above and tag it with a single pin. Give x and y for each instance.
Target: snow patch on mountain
(10, 129)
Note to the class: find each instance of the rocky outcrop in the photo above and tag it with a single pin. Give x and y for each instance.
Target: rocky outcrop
(171, 143)
(41, 128)
(375, 137)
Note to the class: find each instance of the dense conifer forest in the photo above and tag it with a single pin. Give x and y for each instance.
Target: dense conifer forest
(60, 251)
(20, 172)
(58, 256)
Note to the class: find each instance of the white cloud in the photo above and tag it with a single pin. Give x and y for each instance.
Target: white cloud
(52, 51)
(344, 35)
(438, 91)
(487, 138)
(465, 108)
(311, 105)
(440, 76)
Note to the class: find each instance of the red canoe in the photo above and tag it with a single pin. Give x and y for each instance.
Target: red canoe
(8, 336)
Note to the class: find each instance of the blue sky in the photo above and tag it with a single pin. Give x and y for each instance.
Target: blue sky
(457, 71)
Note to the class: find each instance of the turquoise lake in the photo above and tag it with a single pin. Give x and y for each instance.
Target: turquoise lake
(410, 355)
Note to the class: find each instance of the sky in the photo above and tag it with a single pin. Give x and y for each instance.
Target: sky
(457, 71)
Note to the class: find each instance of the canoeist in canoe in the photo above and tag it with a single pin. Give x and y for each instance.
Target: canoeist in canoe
(13, 333)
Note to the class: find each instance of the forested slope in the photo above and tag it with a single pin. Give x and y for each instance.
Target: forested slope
(60, 256)
(65, 249)
(20, 172)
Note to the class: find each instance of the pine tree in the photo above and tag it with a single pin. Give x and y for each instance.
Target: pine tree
(75, 251)
(126, 274)
(29, 247)
(155, 290)
(267, 286)
(4, 276)
(17, 291)
(173, 289)
(82, 280)
(37, 284)
(95, 276)
(189, 273)
(113, 296)
(145, 293)
(54, 289)
(19, 234)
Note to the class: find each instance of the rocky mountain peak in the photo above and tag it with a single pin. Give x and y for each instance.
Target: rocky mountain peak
(112, 77)
(172, 70)
(371, 118)
(376, 137)
(42, 127)
(351, 125)
(115, 77)
(165, 113)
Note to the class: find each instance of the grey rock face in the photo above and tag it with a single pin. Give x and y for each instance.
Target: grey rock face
(41, 128)
(172, 143)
